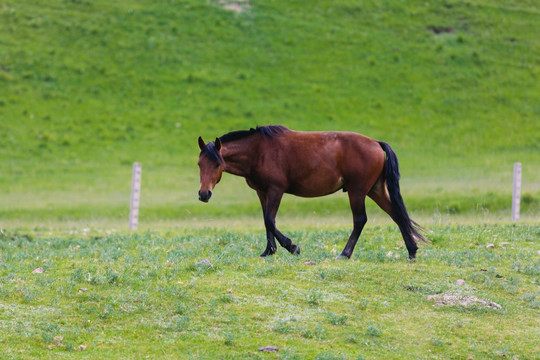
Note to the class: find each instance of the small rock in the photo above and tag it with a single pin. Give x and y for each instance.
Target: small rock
(462, 300)
(269, 349)
(204, 262)
(494, 305)
(58, 340)
(39, 270)
(309, 262)
(490, 246)
(460, 282)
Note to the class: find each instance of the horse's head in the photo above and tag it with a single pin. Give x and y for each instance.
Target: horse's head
(211, 167)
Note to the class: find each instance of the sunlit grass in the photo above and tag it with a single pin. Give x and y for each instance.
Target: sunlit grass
(207, 292)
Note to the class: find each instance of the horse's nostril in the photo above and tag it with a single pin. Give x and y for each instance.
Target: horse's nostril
(205, 195)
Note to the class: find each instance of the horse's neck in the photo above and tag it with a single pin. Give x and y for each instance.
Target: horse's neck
(238, 156)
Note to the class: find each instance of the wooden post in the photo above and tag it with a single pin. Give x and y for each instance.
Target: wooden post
(516, 192)
(135, 196)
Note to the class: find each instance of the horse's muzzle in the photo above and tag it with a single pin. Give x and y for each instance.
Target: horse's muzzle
(204, 196)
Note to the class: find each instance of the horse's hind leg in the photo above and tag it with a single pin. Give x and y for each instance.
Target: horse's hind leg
(379, 194)
(358, 208)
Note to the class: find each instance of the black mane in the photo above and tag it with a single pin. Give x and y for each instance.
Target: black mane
(270, 131)
(211, 152)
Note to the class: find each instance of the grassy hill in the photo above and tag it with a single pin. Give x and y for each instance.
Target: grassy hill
(89, 87)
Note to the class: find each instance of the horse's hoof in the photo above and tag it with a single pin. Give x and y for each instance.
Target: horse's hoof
(267, 253)
(295, 250)
(342, 257)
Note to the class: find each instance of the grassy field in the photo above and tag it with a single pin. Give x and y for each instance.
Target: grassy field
(199, 294)
(87, 87)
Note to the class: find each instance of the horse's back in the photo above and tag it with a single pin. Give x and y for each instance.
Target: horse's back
(320, 163)
(334, 144)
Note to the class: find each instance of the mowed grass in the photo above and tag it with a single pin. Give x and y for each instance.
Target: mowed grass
(205, 294)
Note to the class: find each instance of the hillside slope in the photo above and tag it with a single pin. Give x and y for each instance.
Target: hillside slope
(89, 87)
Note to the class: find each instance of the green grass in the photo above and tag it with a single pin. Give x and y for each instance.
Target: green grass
(89, 87)
(202, 294)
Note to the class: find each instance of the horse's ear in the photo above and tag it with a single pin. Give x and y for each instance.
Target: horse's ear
(217, 143)
(201, 143)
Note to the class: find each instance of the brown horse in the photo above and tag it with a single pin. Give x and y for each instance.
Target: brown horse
(275, 160)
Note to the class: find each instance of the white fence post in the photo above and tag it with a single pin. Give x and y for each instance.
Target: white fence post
(135, 196)
(516, 192)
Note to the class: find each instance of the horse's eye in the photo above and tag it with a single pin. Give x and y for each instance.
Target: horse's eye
(217, 165)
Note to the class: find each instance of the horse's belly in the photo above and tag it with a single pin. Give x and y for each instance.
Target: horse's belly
(316, 187)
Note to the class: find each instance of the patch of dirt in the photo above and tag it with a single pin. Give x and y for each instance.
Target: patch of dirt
(440, 29)
(270, 349)
(462, 300)
(238, 6)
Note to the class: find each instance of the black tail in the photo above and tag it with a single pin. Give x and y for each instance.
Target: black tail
(409, 229)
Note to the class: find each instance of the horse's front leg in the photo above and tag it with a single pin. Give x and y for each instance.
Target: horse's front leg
(271, 246)
(270, 209)
(359, 220)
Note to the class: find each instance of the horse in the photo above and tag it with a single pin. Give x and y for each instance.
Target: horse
(275, 160)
